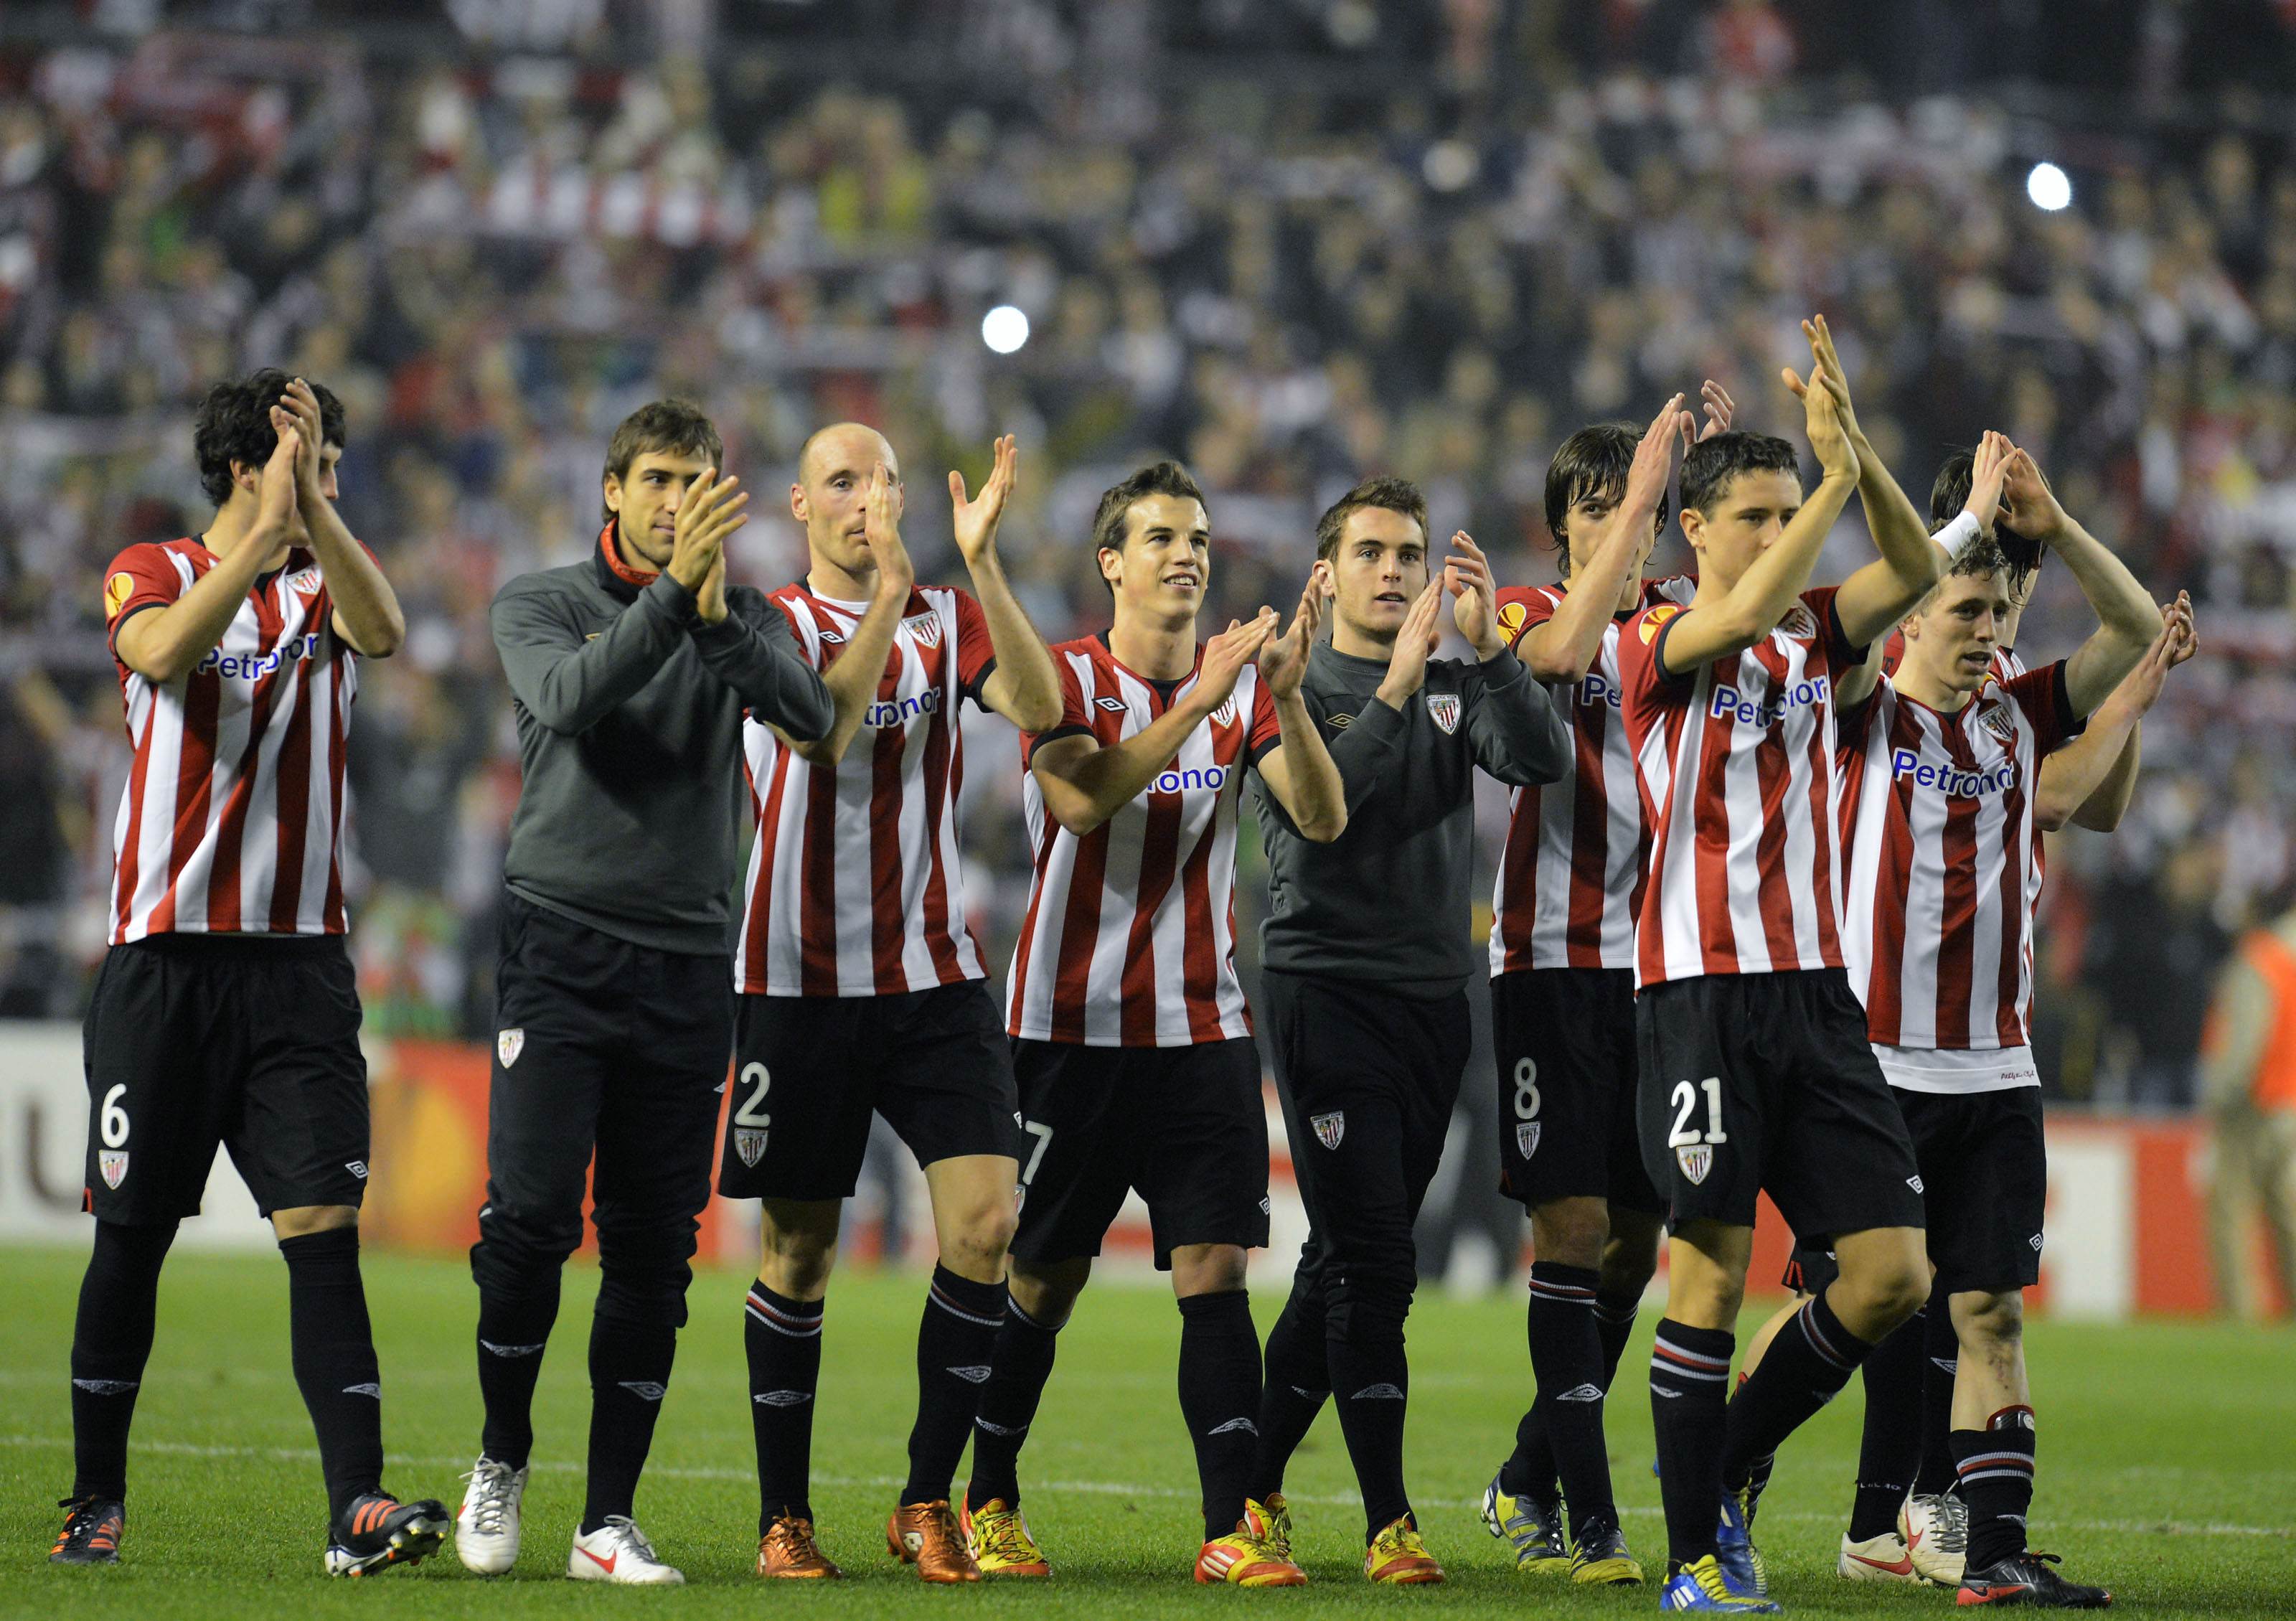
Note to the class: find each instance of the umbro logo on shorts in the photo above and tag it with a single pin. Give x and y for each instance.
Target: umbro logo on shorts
(974, 1373)
(2036, 1242)
(1380, 1392)
(782, 1398)
(508, 1045)
(645, 1390)
(1266, 1208)
(1695, 1160)
(1914, 1183)
(1330, 1128)
(356, 1167)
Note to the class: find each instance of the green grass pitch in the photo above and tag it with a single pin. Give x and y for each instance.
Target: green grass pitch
(2168, 1464)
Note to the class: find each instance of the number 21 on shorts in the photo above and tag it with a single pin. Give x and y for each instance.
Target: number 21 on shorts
(1693, 1149)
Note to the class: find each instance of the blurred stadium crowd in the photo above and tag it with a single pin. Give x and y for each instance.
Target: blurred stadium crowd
(1291, 243)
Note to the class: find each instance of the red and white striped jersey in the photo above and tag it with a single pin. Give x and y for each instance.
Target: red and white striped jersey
(1571, 876)
(1130, 937)
(1936, 817)
(1736, 763)
(233, 814)
(855, 886)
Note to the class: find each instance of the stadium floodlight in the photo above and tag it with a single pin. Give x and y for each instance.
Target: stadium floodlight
(1005, 329)
(2049, 186)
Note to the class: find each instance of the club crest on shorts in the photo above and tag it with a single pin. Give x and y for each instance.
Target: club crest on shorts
(1330, 1128)
(924, 627)
(113, 1163)
(750, 1143)
(1526, 1136)
(1443, 709)
(509, 1044)
(1695, 1160)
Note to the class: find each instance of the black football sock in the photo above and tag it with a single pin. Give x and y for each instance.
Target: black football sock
(1298, 1384)
(1690, 1384)
(1807, 1365)
(1995, 1470)
(1889, 1449)
(334, 1361)
(1758, 1473)
(1566, 1358)
(1531, 1470)
(1371, 1385)
(111, 1340)
(630, 1375)
(1018, 1369)
(783, 1340)
(513, 1329)
(1940, 1366)
(954, 1343)
(1220, 1399)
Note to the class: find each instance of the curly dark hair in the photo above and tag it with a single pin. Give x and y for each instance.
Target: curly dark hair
(234, 426)
(1385, 493)
(1591, 465)
(1713, 465)
(1165, 477)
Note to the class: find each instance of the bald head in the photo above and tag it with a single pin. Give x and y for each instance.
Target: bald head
(852, 447)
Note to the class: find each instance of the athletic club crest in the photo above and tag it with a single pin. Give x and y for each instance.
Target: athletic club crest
(508, 1045)
(1330, 1128)
(1695, 1160)
(1443, 709)
(113, 1163)
(1526, 1136)
(750, 1143)
(924, 627)
(304, 582)
(1225, 715)
(1797, 623)
(1997, 721)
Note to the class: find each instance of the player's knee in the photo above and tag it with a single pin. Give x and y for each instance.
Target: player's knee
(1629, 1261)
(976, 1241)
(513, 1243)
(307, 1219)
(1991, 1320)
(646, 1296)
(1367, 1305)
(1048, 1293)
(1882, 1296)
(1570, 1232)
(1209, 1269)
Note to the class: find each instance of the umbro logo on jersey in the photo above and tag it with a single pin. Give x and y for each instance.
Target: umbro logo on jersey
(1380, 1392)
(1526, 1136)
(782, 1398)
(1114, 706)
(833, 638)
(1233, 1427)
(113, 1163)
(1695, 1160)
(924, 627)
(645, 1390)
(508, 1045)
(1330, 1128)
(1443, 709)
(750, 1143)
(1338, 723)
(368, 1389)
(972, 1373)
(1582, 1393)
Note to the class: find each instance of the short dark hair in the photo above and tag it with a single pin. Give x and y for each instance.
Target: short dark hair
(1385, 493)
(664, 426)
(1713, 465)
(1158, 479)
(1950, 494)
(1591, 465)
(1979, 554)
(234, 424)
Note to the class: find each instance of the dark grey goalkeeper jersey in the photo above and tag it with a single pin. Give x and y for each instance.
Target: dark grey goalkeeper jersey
(630, 736)
(1389, 900)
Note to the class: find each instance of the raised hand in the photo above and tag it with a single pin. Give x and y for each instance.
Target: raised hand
(710, 601)
(1829, 438)
(977, 519)
(880, 532)
(2176, 643)
(1988, 466)
(711, 511)
(1225, 657)
(275, 507)
(1720, 409)
(1406, 666)
(1827, 365)
(1284, 658)
(300, 405)
(2033, 508)
(1654, 462)
(1467, 576)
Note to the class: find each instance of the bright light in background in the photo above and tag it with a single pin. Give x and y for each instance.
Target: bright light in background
(1005, 329)
(2049, 188)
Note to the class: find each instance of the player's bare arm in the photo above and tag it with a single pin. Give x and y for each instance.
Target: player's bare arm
(853, 675)
(1299, 771)
(1024, 687)
(2089, 782)
(366, 611)
(1563, 648)
(164, 644)
(1085, 782)
(1752, 607)
(2127, 618)
(1881, 593)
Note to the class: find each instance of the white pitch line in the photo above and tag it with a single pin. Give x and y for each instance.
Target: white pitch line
(1104, 1488)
